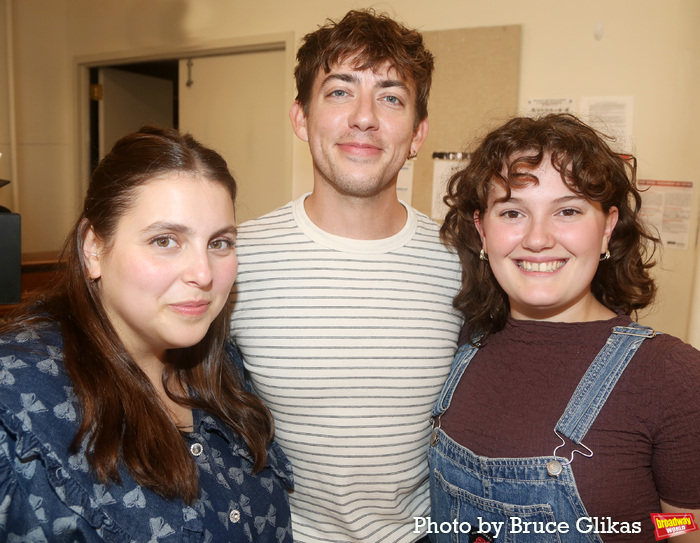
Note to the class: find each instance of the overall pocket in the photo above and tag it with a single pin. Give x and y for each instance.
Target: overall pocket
(456, 512)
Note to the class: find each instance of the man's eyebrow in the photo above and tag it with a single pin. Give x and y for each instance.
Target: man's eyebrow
(353, 78)
(344, 77)
(389, 83)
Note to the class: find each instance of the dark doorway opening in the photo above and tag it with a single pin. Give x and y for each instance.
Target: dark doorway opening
(162, 69)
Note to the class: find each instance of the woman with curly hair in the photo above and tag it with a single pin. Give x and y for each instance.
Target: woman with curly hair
(562, 418)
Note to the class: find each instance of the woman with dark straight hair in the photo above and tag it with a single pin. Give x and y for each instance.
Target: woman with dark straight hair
(123, 415)
(562, 419)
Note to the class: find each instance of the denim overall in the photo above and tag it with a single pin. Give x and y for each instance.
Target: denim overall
(469, 491)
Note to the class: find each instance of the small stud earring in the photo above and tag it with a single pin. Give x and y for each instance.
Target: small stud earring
(412, 154)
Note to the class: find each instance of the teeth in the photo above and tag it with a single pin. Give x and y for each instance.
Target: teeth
(550, 266)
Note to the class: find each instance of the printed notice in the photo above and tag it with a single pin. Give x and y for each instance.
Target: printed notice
(666, 206)
(444, 166)
(538, 107)
(612, 115)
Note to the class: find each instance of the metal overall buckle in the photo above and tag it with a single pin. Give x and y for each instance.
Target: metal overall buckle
(434, 435)
(555, 467)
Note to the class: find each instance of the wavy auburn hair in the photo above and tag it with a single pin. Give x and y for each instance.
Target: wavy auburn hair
(590, 168)
(123, 422)
(370, 40)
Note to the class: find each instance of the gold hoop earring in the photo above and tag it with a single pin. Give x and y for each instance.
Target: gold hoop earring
(605, 256)
(483, 256)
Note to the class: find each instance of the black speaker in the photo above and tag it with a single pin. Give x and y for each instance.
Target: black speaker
(10, 259)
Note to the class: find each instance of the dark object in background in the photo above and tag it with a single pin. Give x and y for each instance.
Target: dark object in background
(10, 255)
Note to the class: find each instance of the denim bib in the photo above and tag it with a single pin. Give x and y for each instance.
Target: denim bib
(522, 500)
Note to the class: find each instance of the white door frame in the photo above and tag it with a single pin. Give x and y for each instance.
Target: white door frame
(81, 82)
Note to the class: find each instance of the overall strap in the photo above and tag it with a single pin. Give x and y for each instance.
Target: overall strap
(461, 360)
(600, 378)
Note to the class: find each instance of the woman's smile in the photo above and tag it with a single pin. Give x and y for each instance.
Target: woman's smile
(548, 266)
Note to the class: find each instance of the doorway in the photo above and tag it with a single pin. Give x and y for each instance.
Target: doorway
(234, 101)
(138, 93)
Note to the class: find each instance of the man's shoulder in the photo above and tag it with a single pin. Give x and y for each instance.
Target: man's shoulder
(425, 223)
(276, 215)
(427, 233)
(266, 226)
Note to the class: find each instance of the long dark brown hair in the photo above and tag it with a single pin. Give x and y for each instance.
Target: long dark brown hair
(122, 418)
(590, 168)
(370, 39)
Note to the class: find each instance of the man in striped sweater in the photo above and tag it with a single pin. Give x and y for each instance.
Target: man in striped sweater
(343, 301)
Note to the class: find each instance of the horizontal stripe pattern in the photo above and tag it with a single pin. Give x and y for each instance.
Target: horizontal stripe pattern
(348, 342)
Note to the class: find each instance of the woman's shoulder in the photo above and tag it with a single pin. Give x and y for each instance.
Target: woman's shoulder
(34, 386)
(662, 355)
(666, 372)
(31, 353)
(31, 337)
(670, 353)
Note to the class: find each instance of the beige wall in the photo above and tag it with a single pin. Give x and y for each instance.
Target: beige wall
(6, 194)
(43, 120)
(649, 50)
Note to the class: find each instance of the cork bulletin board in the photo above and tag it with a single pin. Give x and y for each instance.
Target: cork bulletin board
(475, 88)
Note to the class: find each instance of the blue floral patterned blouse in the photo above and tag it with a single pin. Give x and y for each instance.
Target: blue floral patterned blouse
(49, 495)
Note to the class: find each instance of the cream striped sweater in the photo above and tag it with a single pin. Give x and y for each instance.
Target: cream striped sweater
(348, 342)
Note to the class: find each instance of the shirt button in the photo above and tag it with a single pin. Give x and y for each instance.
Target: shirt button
(234, 515)
(196, 449)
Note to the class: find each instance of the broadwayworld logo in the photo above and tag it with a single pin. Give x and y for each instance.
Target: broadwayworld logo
(671, 525)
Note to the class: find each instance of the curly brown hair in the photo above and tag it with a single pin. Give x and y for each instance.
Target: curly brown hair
(590, 168)
(371, 39)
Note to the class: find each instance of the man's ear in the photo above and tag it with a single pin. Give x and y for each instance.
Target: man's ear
(93, 249)
(419, 135)
(298, 118)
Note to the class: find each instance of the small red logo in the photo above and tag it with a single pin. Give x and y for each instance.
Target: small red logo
(673, 524)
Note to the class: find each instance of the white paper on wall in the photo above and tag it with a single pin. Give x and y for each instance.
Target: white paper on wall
(538, 107)
(444, 165)
(611, 115)
(666, 206)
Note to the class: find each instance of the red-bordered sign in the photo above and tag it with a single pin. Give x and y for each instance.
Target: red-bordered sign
(673, 524)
